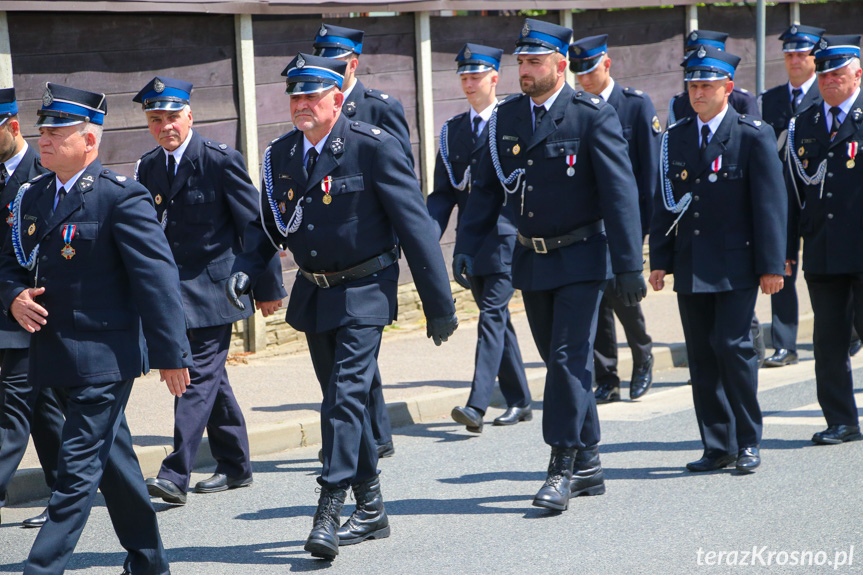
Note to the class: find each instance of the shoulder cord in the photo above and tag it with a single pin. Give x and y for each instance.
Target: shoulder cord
(444, 154)
(816, 179)
(667, 189)
(516, 176)
(30, 262)
(296, 218)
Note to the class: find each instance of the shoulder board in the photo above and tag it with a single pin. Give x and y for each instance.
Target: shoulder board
(367, 129)
(223, 148)
(750, 121)
(586, 98)
(633, 92)
(680, 122)
(512, 98)
(39, 177)
(744, 90)
(284, 136)
(379, 95)
(151, 152)
(457, 117)
(113, 176)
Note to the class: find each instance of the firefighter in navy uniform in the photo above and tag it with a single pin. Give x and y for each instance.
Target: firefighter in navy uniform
(341, 196)
(559, 157)
(88, 272)
(464, 138)
(378, 109)
(719, 227)
(24, 410)
(589, 60)
(778, 105)
(204, 200)
(825, 172)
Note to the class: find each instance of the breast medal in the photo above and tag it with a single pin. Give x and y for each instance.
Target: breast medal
(31, 230)
(570, 161)
(852, 153)
(158, 199)
(290, 194)
(68, 251)
(683, 175)
(9, 218)
(326, 185)
(715, 165)
(516, 149)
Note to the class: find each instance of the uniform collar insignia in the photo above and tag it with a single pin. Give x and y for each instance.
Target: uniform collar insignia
(85, 183)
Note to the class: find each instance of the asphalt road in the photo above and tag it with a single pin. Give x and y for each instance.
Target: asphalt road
(460, 503)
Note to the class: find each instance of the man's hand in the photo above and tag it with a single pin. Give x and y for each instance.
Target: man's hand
(177, 380)
(440, 328)
(657, 279)
(788, 264)
(268, 308)
(29, 314)
(771, 283)
(237, 286)
(462, 266)
(630, 287)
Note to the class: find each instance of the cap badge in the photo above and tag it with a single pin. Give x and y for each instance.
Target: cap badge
(693, 36)
(301, 62)
(467, 53)
(47, 97)
(793, 30)
(323, 30)
(159, 86)
(823, 44)
(576, 50)
(525, 30)
(701, 52)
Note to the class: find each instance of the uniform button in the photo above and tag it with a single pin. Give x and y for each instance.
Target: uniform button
(44, 258)
(530, 188)
(696, 198)
(747, 243)
(104, 324)
(530, 162)
(561, 150)
(829, 216)
(310, 227)
(308, 200)
(697, 180)
(43, 279)
(697, 232)
(530, 214)
(829, 174)
(829, 194)
(172, 202)
(696, 215)
(830, 154)
(725, 174)
(176, 244)
(473, 161)
(313, 253)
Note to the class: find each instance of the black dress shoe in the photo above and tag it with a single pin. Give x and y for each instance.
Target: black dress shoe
(607, 392)
(37, 521)
(781, 358)
(711, 461)
(855, 347)
(748, 460)
(469, 417)
(642, 378)
(386, 449)
(221, 482)
(513, 415)
(836, 434)
(167, 490)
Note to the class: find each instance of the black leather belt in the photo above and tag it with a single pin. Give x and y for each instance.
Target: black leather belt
(545, 245)
(367, 268)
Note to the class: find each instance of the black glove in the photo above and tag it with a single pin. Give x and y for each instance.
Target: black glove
(462, 266)
(440, 328)
(237, 286)
(630, 287)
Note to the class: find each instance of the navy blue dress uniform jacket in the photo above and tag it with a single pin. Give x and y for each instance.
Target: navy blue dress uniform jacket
(382, 110)
(741, 100)
(209, 205)
(776, 108)
(495, 254)
(830, 223)
(12, 335)
(641, 129)
(121, 279)
(580, 125)
(376, 203)
(735, 228)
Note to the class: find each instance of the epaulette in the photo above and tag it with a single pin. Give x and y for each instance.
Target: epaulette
(151, 152)
(457, 117)
(216, 146)
(587, 98)
(284, 136)
(512, 98)
(367, 129)
(744, 90)
(750, 121)
(680, 122)
(378, 94)
(37, 178)
(633, 92)
(113, 176)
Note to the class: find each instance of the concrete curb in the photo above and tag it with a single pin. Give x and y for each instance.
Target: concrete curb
(29, 484)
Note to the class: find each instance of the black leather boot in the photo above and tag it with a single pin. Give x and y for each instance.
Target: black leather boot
(369, 520)
(323, 541)
(587, 475)
(555, 493)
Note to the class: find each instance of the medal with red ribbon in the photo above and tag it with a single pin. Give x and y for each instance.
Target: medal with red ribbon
(9, 218)
(715, 166)
(570, 161)
(852, 153)
(326, 186)
(68, 251)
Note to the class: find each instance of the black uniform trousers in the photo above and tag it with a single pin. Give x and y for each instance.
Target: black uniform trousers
(97, 453)
(345, 362)
(209, 403)
(837, 301)
(785, 314)
(724, 367)
(563, 324)
(26, 410)
(605, 346)
(497, 353)
(382, 429)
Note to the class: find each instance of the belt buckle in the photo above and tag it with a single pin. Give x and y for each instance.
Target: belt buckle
(539, 245)
(321, 280)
